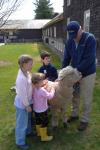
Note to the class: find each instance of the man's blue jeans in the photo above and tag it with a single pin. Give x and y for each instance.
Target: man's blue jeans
(23, 125)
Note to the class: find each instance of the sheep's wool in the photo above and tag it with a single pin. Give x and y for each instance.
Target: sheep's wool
(64, 72)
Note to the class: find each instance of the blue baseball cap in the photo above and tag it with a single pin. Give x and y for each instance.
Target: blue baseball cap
(72, 29)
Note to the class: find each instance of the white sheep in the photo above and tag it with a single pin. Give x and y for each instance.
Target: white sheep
(63, 93)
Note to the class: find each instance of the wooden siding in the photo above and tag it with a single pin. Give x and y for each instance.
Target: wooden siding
(21, 35)
(76, 12)
(30, 34)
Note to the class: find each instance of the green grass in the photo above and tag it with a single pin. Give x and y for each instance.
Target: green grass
(64, 139)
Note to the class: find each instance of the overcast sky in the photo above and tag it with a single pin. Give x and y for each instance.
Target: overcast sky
(26, 9)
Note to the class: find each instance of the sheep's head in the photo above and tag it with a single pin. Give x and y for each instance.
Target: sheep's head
(69, 75)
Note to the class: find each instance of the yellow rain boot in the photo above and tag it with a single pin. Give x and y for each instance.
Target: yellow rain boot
(38, 130)
(44, 136)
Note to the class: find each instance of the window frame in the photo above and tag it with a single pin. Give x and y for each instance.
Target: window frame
(86, 25)
(68, 2)
(55, 32)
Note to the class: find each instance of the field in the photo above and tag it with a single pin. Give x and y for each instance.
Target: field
(69, 139)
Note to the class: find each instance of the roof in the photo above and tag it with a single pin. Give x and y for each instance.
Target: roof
(25, 24)
(54, 20)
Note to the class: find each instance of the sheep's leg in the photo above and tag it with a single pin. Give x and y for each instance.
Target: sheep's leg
(55, 114)
(64, 115)
(75, 105)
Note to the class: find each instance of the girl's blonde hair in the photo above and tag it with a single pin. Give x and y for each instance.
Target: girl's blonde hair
(24, 59)
(37, 77)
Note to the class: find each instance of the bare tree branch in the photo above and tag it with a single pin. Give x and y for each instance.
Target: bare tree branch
(7, 7)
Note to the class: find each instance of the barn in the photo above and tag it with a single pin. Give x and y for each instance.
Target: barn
(22, 30)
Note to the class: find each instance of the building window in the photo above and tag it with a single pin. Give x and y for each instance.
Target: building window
(48, 31)
(10, 32)
(43, 32)
(68, 2)
(55, 32)
(51, 32)
(68, 20)
(87, 20)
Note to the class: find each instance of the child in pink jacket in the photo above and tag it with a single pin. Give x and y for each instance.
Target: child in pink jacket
(40, 105)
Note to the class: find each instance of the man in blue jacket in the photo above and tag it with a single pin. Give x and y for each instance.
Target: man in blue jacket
(80, 53)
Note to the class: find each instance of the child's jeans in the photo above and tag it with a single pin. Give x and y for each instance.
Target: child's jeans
(23, 125)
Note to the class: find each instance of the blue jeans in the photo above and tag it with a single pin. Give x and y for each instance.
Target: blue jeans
(23, 125)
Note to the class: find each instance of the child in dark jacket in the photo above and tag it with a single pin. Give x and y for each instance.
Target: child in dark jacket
(47, 68)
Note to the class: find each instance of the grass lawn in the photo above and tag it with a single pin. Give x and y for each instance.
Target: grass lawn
(64, 139)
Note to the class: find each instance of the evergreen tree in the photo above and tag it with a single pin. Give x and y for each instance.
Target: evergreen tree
(44, 9)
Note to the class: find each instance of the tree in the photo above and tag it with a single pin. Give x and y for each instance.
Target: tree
(44, 9)
(7, 7)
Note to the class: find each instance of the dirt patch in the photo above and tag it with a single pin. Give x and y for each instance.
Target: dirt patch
(4, 63)
(37, 59)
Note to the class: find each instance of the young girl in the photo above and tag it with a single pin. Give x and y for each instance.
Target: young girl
(23, 100)
(40, 106)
